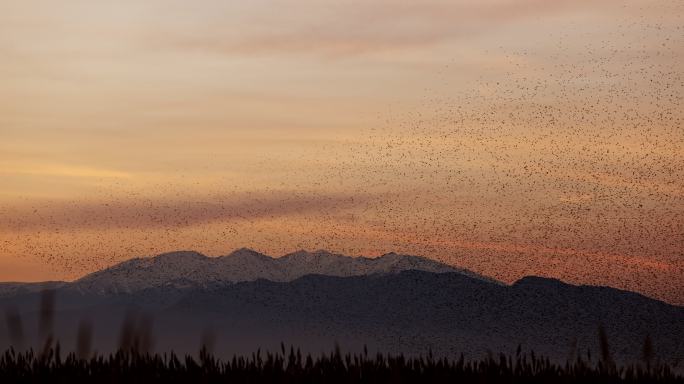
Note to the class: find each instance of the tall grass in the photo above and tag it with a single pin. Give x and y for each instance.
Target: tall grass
(294, 367)
(134, 363)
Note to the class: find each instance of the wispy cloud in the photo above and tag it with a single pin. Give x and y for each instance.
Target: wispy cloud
(348, 28)
(62, 170)
(150, 213)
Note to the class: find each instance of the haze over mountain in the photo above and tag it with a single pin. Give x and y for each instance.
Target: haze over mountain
(411, 312)
(188, 268)
(393, 303)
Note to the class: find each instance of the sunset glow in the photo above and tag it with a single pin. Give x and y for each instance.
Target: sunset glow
(511, 138)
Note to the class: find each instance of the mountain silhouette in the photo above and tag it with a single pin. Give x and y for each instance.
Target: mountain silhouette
(394, 303)
(189, 268)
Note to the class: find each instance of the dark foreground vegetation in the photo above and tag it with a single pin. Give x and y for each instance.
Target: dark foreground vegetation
(292, 367)
(134, 363)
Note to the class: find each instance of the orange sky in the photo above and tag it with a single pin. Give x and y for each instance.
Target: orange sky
(509, 137)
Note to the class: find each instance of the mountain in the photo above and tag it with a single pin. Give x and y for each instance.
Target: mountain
(13, 289)
(187, 268)
(411, 311)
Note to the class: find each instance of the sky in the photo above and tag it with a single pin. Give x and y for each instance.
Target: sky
(509, 137)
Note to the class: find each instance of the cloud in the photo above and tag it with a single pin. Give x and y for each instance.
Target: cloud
(151, 213)
(348, 28)
(62, 170)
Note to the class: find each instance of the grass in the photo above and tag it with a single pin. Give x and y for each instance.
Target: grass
(132, 363)
(129, 366)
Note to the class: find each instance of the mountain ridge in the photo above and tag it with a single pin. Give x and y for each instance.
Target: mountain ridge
(245, 264)
(192, 269)
(410, 312)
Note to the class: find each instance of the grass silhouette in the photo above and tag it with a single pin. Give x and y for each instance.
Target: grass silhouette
(294, 367)
(134, 363)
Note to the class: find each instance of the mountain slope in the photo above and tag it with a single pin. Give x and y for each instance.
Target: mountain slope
(13, 289)
(412, 312)
(187, 268)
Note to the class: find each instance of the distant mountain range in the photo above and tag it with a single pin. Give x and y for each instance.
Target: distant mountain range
(393, 303)
(193, 269)
(189, 268)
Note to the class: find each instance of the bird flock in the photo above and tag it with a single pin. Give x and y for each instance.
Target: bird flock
(569, 164)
